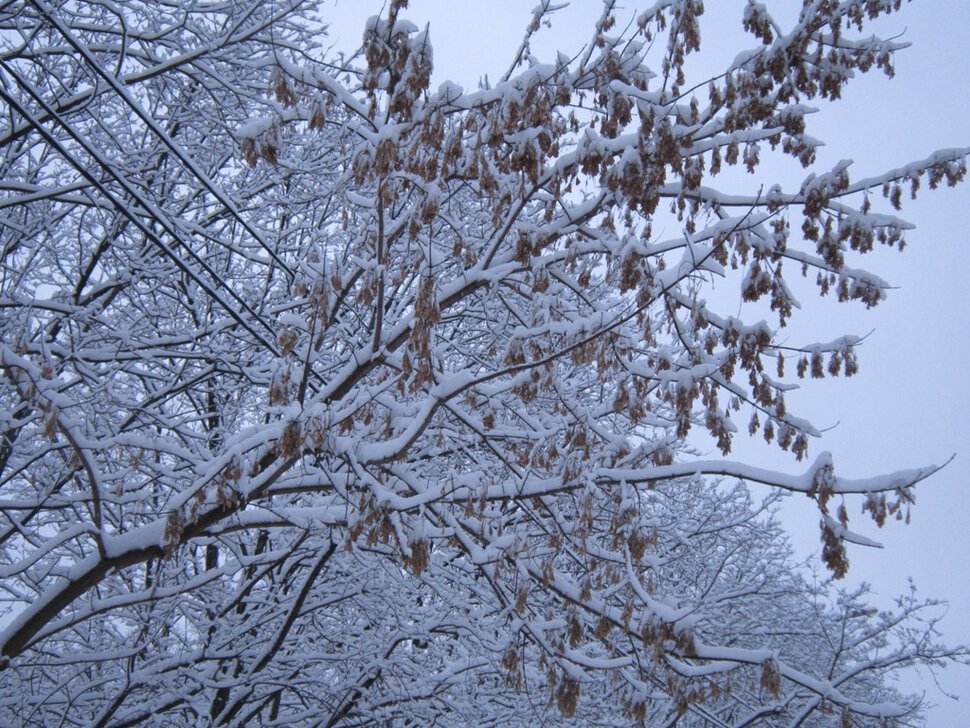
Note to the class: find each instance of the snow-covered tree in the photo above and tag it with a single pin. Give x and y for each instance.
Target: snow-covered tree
(330, 398)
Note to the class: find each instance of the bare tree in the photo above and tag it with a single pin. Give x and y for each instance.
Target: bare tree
(331, 399)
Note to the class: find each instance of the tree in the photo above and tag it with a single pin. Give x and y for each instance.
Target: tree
(333, 399)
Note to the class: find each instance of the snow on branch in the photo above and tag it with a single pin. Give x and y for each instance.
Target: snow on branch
(332, 396)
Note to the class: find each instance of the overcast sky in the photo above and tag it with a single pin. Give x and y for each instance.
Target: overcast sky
(910, 404)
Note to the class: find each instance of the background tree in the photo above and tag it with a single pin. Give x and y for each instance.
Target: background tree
(284, 335)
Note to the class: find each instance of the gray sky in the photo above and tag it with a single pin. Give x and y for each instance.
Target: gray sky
(910, 403)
